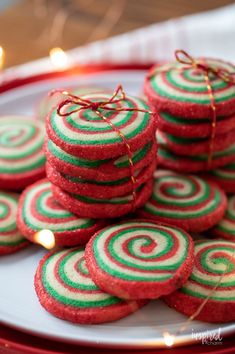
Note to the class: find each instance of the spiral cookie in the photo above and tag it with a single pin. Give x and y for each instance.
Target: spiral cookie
(186, 201)
(194, 128)
(226, 227)
(139, 259)
(98, 170)
(196, 146)
(99, 189)
(183, 91)
(87, 135)
(168, 159)
(11, 239)
(49, 102)
(213, 276)
(38, 210)
(65, 289)
(103, 208)
(225, 177)
(21, 156)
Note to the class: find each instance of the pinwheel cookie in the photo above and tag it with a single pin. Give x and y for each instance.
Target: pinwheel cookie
(226, 227)
(65, 289)
(99, 189)
(38, 210)
(209, 292)
(186, 201)
(139, 259)
(104, 170)
(89, 136)
(198, 163)
(22, 160)
(225, 177)
(194, 128)
(182, 90)
(105, 207)
(11, 239)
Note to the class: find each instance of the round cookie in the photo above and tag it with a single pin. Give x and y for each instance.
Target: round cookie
(95, 189)
(51, 102)
(194, 128)
(11, 239)
(139, 259)
(225, 177)
(103, 208)
(213, 275)
(186, 201)
(196, 146)
(99, 170)
(65, 289)
(22, 160)
(168, 159)
(182, 90)
(226, 227)
(38, 210)
(85, 134)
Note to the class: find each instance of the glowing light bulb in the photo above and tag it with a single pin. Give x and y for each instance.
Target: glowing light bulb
(168, 339)
(2, 55)
(59, 58)
(45, 238)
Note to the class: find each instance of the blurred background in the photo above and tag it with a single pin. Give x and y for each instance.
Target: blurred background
(30, 28)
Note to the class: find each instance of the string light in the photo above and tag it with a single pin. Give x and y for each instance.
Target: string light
(45, 238)
(169, 339)
(2, 55)
(59, 58)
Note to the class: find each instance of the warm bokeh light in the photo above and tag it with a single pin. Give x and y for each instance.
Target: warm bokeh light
(45, 238)
(2, 54)
(168, 339)
(59, 58)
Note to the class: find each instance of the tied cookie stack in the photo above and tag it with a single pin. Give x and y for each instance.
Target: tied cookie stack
(196, 103)
(101, 153)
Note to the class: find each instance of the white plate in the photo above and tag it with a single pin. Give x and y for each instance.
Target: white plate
(19, 306)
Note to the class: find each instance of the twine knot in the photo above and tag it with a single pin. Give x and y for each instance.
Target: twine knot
(184, 58)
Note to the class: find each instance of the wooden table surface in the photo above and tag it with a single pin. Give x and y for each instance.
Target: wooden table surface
(30, 28)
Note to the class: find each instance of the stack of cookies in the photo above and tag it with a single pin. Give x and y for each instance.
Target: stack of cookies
(101, 154)
(190, 132)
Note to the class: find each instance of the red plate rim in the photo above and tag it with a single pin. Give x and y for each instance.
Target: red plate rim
(13, 341)
(7, 85)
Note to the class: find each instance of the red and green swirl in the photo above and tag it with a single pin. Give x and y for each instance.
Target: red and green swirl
(39, 210)
(177, 196)
(88, 129)
(214, 267)
(66, 279)
(21, 141)
(189, 85)
(226, 227)
(140, 251)
(10, 236)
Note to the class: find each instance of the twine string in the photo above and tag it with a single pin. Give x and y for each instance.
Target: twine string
(85, 104)
(224, 74)
(184, 58)
(208, 297)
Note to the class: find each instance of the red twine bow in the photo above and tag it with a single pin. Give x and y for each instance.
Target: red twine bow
(184, 58)
(84, 104)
